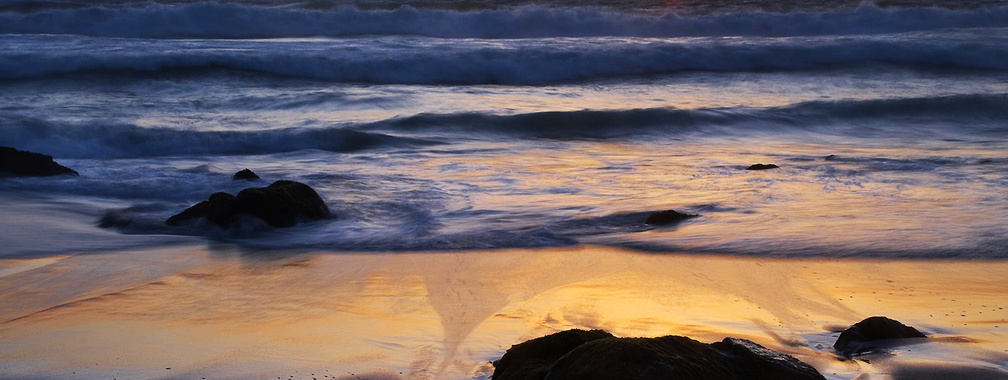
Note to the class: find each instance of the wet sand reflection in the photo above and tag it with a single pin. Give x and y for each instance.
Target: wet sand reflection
(445, 315)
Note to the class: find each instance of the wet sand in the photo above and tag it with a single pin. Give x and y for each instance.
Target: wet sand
(222, 313)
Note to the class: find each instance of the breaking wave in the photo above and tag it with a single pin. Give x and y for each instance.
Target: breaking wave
(416, 60)
(979, 114)
(220, 20)
(99, 140)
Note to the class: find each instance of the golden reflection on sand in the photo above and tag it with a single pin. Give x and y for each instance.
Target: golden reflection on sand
(236, 315)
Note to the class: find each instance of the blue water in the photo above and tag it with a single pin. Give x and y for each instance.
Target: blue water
(482, 125)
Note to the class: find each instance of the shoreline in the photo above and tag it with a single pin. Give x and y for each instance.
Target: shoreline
(233, 314)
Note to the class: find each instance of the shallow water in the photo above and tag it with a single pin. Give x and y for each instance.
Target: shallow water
(916, 163)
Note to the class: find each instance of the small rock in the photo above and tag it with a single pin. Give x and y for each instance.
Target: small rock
(19, 163)
(855, 339)
(761, 167)
(245, 174)
(666, 217)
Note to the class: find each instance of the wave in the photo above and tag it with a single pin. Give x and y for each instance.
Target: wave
(416, 60)
(419, 230)
(980, 114)
(219, 20)
(98, 140)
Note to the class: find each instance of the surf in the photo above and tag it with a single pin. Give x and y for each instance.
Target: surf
(229, 20)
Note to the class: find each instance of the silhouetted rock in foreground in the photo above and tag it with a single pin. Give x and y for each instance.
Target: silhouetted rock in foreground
(762, 167)
(855, 339)
(19, 163)
(662, 218)
(245, 174)
(281, 204)
(668, 357)
(531, 360)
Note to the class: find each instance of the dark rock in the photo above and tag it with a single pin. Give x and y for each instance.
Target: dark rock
(19, 163)
(531, 360)
(281, 204)
(668, 357)
(762, 167)
(764, 363)
(114, 219)
(662, 218)
(856, 338)
(831, 157)
(245, 174)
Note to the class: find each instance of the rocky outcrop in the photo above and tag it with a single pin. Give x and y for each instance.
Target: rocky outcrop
(662, 218)
(669, 357)
(19, 163)
(281, 204)
(245, 174)
(761, 167)
(531, 360)
(859, 337)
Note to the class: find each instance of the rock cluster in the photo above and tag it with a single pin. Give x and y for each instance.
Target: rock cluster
(281, 204)
(596, 354)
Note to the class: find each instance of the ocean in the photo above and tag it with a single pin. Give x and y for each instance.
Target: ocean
(484, 125)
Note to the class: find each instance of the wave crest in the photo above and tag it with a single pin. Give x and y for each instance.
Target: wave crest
(97, 140)
(219, 20)
(979, 113)
(416, 60)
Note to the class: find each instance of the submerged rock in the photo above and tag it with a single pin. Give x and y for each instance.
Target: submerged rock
(662, 218)
(245, 174)
(855, 339)
(19, 163)
(668, 357)
(761, 167)
(281, 204)
(531, 360)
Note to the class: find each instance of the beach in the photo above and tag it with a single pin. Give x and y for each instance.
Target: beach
(223, 313)
(405, 189)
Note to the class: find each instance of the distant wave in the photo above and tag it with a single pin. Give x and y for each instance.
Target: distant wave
(98, 140)
(416, 60)
(217, 20)
(980, 114)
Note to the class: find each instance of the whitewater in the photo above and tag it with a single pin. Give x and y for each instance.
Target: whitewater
(490, 125)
